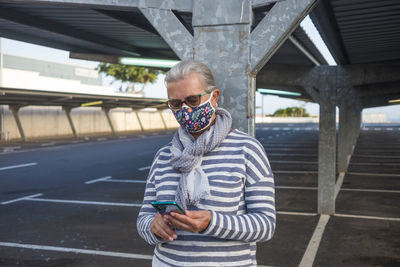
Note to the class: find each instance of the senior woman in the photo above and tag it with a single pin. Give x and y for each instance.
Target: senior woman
(220, 176)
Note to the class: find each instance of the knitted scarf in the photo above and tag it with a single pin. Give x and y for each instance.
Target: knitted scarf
(187, 155)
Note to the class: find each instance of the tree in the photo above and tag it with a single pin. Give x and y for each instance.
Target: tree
(291, 112)
(130, 75)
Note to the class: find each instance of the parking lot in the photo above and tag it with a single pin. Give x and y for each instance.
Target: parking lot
(76, 203)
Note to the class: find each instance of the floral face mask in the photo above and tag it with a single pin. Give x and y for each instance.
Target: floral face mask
(195, 119)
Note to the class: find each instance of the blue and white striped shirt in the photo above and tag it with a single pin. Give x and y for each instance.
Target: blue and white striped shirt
(242, 204)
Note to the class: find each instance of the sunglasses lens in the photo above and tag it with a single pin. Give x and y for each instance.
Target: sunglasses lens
(175, 103)
(192, 100)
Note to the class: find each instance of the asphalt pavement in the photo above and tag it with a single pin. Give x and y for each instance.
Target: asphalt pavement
(75, 202)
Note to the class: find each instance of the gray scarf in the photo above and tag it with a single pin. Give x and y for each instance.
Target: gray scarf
(187, 155)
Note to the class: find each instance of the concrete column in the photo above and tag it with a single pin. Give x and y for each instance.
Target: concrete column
(107, 112)
(2, 133)
(223, 39)
(15, 110)
(326, 157)
(321, 84)
(349, 130)
(138, 119)
(71, 123)
(162, 119)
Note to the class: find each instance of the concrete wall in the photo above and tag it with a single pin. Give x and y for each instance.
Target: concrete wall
(259, 119)
(41, 122)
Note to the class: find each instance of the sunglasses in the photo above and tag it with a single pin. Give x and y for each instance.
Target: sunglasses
(192, 101)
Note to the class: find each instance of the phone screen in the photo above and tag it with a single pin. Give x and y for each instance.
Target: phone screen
(167, 206)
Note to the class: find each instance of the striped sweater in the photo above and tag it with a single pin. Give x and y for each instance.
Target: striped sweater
(242, 205)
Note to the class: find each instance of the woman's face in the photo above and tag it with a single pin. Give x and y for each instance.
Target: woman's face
(190, 85)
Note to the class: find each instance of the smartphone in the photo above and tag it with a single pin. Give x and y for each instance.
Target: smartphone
(167, 206)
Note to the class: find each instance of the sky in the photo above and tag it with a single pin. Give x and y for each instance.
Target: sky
(158, 90)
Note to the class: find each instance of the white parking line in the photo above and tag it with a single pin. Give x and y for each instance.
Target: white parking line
(296, 213)
(294, 162)
(78, 250)
(48, 144)
(18, 166)
(313, 245)
(144, 168)
(10, 148)
(375, 156)
(375, 164)
(367, 217)
(296, 187)
(292, 155)
(19, 199)
(100, 203)
(371, 190)
(126, 181)
(374, 174)
(337, 188)
(98, 180)
(293, 172)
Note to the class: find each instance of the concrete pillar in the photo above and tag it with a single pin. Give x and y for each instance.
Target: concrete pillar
(326, 157)
(162, 119)
(223, 39)
(222, 42)
(349, 130)
(2, 132)
(71, 123)
(107, 113)
(321, 84)
(138, 119)
(15, 110)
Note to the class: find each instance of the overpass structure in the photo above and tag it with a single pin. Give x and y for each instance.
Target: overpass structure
(17, 98)
(246, 44)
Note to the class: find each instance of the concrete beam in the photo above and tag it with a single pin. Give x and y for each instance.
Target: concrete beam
(378, 89)
(95, 57)
(171, 30)
(124, 5)
(67, 111)
(15, 112)
(282, 75)
(275, 28)
(107, 113)
(362, 74)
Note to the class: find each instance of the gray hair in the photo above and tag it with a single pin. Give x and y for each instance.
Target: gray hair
(184, 68)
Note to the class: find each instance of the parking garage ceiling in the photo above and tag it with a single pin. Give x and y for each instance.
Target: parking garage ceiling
(355, 31)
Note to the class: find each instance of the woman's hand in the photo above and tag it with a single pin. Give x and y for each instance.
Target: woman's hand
(193, 221)
(162, 229)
